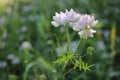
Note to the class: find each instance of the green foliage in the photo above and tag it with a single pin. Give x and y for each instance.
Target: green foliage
(12, 77)
(64, 59)
(82, 65)
(75, 60)
(90, 50)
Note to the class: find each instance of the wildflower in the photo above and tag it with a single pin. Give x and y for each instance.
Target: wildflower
(100, 45)
(72, 15)
(10, 56)
(2, 20)
(79, 22)
(3, 64)
(55, 23)
(59, 19)
(27, 8)
(84, 20)
(86, 33)
(5, 35)
(26, 45)
(64, 18)
(15, 61)
(24, 28)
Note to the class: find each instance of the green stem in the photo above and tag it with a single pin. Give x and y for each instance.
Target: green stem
(68, 40)
(59, 76)
(84, 55)
(77, 45)
(67, 72)
(68, 52)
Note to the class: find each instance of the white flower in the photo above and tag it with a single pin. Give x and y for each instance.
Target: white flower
(86, 33)
(59, 19)
(15, 61)
(54, 23)
(100, 45)
(24, 28)
(3, 64)
(2, 20)
(79, 22)
(84, 21)
(10, 56)
(72, 15)
(26, 45)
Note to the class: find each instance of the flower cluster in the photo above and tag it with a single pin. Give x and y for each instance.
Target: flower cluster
(82, 23)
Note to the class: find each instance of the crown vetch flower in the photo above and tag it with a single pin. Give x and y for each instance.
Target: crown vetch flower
(54, 23)
(69, 17)
(86, 33)
(72, 15)
(84, 20)
(59, 19)
(79, 22)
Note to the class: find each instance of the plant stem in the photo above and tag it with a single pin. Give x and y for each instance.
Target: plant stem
(77, 45)
(67, 72)
(68, 52)
(59, 76)
(68, 40)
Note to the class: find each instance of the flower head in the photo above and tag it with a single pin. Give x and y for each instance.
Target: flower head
(63, 18)
(72, 15)
(86, 33)
(59, 19)
(26, 45)
(79, 22)
(84, 21)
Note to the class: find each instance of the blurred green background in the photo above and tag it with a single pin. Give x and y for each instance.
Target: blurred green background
(29, 43)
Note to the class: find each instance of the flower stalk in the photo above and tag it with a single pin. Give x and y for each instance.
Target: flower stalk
(68, 41)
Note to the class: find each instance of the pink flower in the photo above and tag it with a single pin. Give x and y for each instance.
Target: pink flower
(69, 17)
(59, 19)
(84, 21)
(86, 33)
(81, 23)
(72, 15)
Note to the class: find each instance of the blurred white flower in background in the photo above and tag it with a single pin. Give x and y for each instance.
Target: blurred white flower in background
(106, 34)
(24, 28)
(3, 64)
(14, 60)
(100, 45)
(2, 20)
(73, 45)
(32, 18)
(27, 8)
(5, 35)
(8, 11)
(10, 56)
(26, 45)
(82, 23)
(61, 50)
(3, 44)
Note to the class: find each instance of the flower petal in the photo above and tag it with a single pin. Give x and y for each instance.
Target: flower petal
(54, 23)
